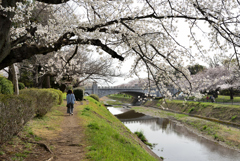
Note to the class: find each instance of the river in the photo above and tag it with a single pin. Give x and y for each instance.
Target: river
(173, 141)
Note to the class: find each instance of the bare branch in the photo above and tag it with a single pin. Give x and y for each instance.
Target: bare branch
(53, 1)
(75, 52)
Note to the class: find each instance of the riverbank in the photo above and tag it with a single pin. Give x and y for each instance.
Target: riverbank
(118, 100)
(223, 113)
(212, 130)
(218, 133)
(109, 139)
(91, 133)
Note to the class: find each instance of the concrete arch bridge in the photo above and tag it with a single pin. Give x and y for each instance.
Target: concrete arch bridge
(134, 91)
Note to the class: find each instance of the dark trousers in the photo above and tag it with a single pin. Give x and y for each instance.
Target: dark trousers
(70, 108)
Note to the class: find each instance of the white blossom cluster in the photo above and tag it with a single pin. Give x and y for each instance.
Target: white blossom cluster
(146, 31)
(80, 68)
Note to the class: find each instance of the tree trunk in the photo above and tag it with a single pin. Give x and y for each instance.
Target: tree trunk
(63, 87)
(5, 25)
(15, 79)
(46, 81)
(36, 77)
(216, 93)
(231, 93)
(48, 84)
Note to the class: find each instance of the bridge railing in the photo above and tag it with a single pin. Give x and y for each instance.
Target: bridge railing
(109, 87)
(124, 87)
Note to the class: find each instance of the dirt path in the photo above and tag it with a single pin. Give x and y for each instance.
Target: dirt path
(67, 143)
(70, 144)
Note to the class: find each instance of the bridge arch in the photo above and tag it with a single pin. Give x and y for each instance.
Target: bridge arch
(134, 91)
(104, 91)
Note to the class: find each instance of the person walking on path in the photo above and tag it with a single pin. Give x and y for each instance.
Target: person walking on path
(213, 99)
(70, 102)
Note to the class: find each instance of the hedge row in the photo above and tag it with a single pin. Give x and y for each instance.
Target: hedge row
(16, 111)
(6, 86)
(60, 95)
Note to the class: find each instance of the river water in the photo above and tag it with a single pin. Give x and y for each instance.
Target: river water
(173, 141)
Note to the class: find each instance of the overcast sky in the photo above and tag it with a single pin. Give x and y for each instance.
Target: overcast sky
(182, 38)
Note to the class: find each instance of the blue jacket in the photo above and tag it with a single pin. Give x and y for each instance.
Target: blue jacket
(71, 98)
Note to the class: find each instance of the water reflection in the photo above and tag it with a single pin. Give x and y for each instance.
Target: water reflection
(175, 142)
(116, 111)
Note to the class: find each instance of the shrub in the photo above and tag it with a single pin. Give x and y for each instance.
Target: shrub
(6, 86)
(60, 94)
(15, 112)
(45, 99)
(94, 96)
(78, 94)
(21, 85)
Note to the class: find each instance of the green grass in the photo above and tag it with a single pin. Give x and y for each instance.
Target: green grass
(143, 138)
(114, 103)
(17, 159)
(119, 99)
(204, 104)
(192, 109)
(20, 155)
(108, 138)
(46, 126)
(93, 125)
(234, 117)
(225, 99)
(120, 95)
(220, 99)
(159, 113)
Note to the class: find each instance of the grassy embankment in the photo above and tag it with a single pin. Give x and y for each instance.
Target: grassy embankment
(217, 112)
(120, 98)
(213, 130)
(107, 138)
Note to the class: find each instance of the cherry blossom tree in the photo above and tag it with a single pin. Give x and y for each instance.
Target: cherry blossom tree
(81, 67)
(216, 79)
(145, 30)
(70, 65)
